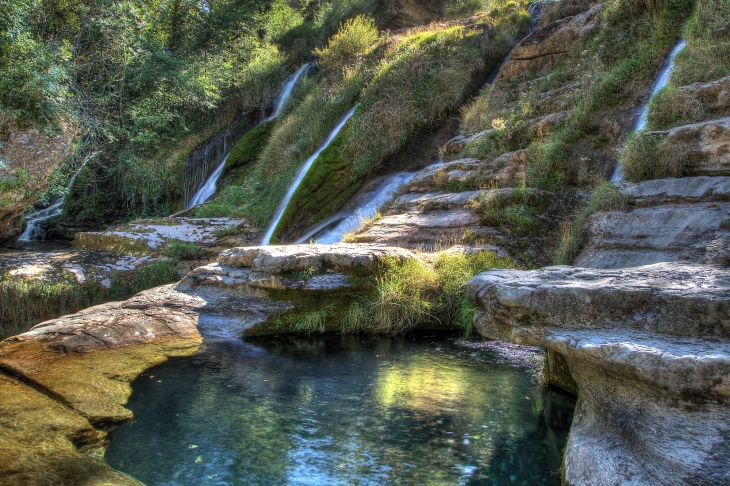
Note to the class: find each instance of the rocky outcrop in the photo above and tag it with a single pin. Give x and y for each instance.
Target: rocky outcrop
(64, 383)
(507, 169)
(431, 220)
(547, 46)
(37, 153)
(714, 97)
(704, 147)
(670, 219)
(149, 236)
(400, 14)
(648, 349)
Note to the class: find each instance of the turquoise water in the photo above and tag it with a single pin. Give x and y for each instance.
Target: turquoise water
(333, 410)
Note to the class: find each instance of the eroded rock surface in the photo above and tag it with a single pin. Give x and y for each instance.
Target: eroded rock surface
(547, 46)
(64, 383)
(670, 219)
(648, 350)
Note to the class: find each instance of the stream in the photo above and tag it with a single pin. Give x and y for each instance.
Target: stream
(421, 409)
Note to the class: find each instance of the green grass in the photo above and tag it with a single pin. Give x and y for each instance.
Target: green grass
(178, 250)
(25, 303)
(230, 230)
(605, 197)
(414, 293)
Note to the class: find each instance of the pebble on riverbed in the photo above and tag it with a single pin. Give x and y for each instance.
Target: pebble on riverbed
(528, 356)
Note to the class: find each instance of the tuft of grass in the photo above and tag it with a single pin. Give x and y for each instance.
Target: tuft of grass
(230, 230)
(313, 321)
(509, 209)
(412, 292)
(154, 274)
(647, 156)
(605, 197)
(179, 250)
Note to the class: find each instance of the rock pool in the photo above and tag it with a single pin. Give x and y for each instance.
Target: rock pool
(333, 410)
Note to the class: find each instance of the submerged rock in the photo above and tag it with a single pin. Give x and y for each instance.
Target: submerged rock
(648, 350)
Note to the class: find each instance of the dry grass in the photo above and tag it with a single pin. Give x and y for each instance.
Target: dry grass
(646, 156)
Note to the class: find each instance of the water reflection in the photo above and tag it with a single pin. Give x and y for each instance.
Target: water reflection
(338, 410)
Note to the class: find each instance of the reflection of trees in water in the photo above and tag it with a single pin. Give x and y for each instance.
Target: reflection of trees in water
(275, 409)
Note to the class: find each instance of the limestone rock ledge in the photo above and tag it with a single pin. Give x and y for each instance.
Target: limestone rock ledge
(64, 383)
(649, 351)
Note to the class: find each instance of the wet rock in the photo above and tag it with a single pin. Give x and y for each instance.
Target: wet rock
(671, 219)
(648, 349)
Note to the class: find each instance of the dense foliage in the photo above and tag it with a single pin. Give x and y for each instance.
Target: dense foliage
(147, 80)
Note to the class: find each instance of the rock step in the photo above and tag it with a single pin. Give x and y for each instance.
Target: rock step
(341, 257)
(666, 298)
(684, 219)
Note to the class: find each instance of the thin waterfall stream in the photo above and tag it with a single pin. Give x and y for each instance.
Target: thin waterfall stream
(209, 185)
(303, 172)
(34, 230)
(661, 82)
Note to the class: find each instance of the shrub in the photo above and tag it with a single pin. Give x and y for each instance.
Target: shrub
(179, 250)
(349, 44)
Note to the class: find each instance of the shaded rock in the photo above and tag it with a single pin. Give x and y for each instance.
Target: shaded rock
(649, 352)
(672, 219)
(459, 142)
(547, 46)
(399, 14)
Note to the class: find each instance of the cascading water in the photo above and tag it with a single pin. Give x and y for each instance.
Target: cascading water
(198, 162)
(382, 191)
(303, 172)
(34, 230)
(661, 82)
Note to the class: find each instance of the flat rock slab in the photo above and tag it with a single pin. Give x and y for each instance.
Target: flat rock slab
(681, 300)
(672, 219)
(648, 351)
(156, 234)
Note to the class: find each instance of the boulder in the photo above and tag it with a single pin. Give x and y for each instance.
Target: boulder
(507, 169)
(703, 147)
(670, 219)
(547, 46)
(648, 351)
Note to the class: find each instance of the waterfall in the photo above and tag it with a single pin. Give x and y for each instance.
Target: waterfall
(382, 191)
(197, 163)
(661, 82)
(303, 172)
(34, 228)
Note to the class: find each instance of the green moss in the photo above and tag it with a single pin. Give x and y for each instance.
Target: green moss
(179, 250)
(249, 148)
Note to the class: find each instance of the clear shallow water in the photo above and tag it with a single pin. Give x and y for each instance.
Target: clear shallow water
(333, 410)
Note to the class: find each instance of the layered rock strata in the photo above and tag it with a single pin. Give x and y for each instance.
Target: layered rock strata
(649, 352)
(670, 219)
